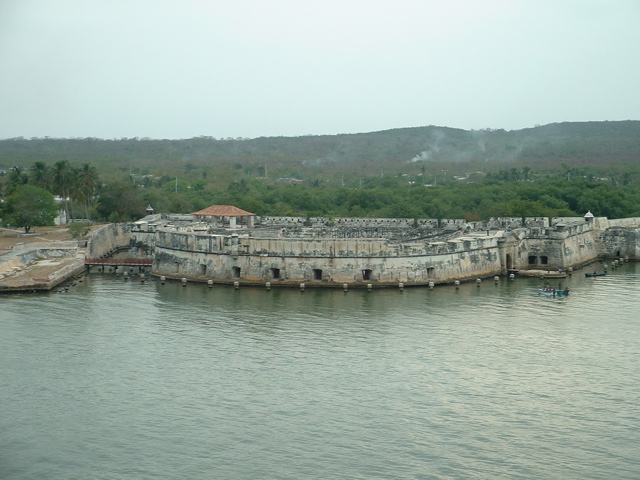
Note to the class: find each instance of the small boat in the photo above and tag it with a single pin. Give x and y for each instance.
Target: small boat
(553, 275)
(595, 274)
(553, 291)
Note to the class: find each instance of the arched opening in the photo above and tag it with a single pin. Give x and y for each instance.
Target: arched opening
(366, 274)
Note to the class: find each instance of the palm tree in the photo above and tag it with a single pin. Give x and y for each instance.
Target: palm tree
(17, 177)
(87, 180)
(41, 176)
(63, 182)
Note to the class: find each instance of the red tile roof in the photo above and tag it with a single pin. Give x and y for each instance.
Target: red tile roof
(223, 211)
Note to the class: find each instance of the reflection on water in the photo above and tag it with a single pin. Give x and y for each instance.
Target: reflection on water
(122, 379)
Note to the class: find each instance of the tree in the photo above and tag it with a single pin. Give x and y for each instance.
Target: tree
(63, 179)
(29, 206)
(87, 179)
(120, 202)
(17, 177)
(41, 176)
(77, 230)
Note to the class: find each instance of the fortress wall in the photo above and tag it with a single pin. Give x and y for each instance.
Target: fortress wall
(330, 260)
(620, 222)
(108, 239)
(575, 246)
(280, 221)
(419, 270)
(536, 222)
(428, 222)
(505, 222)
(619, 242)
(248, 260)
(567, 220)
(314, 247)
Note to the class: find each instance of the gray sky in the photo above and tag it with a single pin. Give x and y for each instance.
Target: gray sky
(251, 68)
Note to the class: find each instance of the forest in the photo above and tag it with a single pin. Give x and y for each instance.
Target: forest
(424, 172)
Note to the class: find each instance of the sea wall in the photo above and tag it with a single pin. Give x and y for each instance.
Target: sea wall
(322, 262)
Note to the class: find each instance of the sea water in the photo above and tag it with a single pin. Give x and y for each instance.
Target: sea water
(119, 379)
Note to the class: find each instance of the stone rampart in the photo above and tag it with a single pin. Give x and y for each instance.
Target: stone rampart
(322, 262)
(380, 252)
(108, 239)
(619, 242)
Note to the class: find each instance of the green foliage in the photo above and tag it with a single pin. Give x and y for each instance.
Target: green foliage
(121, 202)
(29, 206)
(78, 230)
(425, 172)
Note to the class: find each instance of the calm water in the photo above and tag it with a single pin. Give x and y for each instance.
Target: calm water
(116, 380)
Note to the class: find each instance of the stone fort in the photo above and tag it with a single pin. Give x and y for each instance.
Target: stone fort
(224, 244)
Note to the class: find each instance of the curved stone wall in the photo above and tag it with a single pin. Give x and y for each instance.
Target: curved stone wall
(323, 262)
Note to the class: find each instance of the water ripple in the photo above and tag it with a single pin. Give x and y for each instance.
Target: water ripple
(128, 380)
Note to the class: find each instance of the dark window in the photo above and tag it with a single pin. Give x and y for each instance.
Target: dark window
(366, 274)
(275, 273)
(236, 272)
(544, 260)
(203, 269)
(431, 272)
(317, 274)
(533, 260)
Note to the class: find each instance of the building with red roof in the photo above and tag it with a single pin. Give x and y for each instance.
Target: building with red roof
(225, 214)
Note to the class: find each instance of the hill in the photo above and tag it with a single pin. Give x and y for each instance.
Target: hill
(430, 148)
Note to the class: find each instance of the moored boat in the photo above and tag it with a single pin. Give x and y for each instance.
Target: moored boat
(595, 274)
(553, 291)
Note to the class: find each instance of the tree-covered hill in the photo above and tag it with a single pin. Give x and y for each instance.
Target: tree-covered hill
(430, 148)
(561, 169)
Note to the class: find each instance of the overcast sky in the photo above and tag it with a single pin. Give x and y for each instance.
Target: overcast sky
(252, 68)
